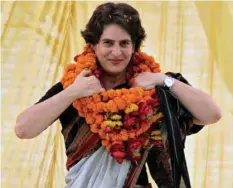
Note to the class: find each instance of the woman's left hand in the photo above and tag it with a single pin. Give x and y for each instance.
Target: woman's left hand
(149, 80)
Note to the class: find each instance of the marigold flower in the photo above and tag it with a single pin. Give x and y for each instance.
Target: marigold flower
(111, 93)
(90, 119)
(105, 96)
(96, 98)
(118, 93)
(99, 119)
(124, 91)
(110, 123)
(131, 108)
(105, 142)
(111, 106)
(115, 117)
(121, 103)
(94, 128)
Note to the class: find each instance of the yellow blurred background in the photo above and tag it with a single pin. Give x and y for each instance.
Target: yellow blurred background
(39, 38)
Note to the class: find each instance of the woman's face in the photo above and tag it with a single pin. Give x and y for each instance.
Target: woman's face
(114, 49)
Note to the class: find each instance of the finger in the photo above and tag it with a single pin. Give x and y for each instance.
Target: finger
(148, 87)
(98, 90)
(85, 72)
(102, 89)
(134, 84)
(93, 77)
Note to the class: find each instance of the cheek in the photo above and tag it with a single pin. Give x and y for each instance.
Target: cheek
(129, 51)
(128, 54)
(103, 53)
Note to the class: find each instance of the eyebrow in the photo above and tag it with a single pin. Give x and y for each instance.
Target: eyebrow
(124, 40)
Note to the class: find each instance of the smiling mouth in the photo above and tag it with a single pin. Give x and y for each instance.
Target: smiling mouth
(115, 61)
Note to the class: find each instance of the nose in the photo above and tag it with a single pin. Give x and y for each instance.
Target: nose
(116, 51)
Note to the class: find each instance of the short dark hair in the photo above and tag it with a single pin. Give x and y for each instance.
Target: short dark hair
(121, 14)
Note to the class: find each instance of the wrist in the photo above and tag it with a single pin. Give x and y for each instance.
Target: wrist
(73, 92)
(159, 79)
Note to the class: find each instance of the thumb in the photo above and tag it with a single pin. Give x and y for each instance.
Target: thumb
(85, 72)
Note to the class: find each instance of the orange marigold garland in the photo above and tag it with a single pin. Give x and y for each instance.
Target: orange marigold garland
(121, 117)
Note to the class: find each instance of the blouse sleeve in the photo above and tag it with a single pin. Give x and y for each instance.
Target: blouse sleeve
(184, 116)
(69, 114)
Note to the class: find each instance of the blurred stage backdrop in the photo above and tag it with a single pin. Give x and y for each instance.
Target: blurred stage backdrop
(39, 38)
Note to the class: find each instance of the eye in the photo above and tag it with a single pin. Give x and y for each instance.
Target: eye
(108, 42)
(125, 43)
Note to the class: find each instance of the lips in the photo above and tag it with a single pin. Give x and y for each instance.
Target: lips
(115, 61)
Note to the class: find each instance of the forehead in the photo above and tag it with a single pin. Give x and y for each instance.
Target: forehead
(114, 32)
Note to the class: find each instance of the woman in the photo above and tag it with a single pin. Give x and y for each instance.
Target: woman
(110, 130)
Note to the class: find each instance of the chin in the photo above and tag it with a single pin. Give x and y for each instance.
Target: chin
(115, 71)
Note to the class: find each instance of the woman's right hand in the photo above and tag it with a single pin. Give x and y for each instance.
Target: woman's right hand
(36, 118)
(85, 85)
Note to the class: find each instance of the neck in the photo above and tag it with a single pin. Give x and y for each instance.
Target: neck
(110, 81)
